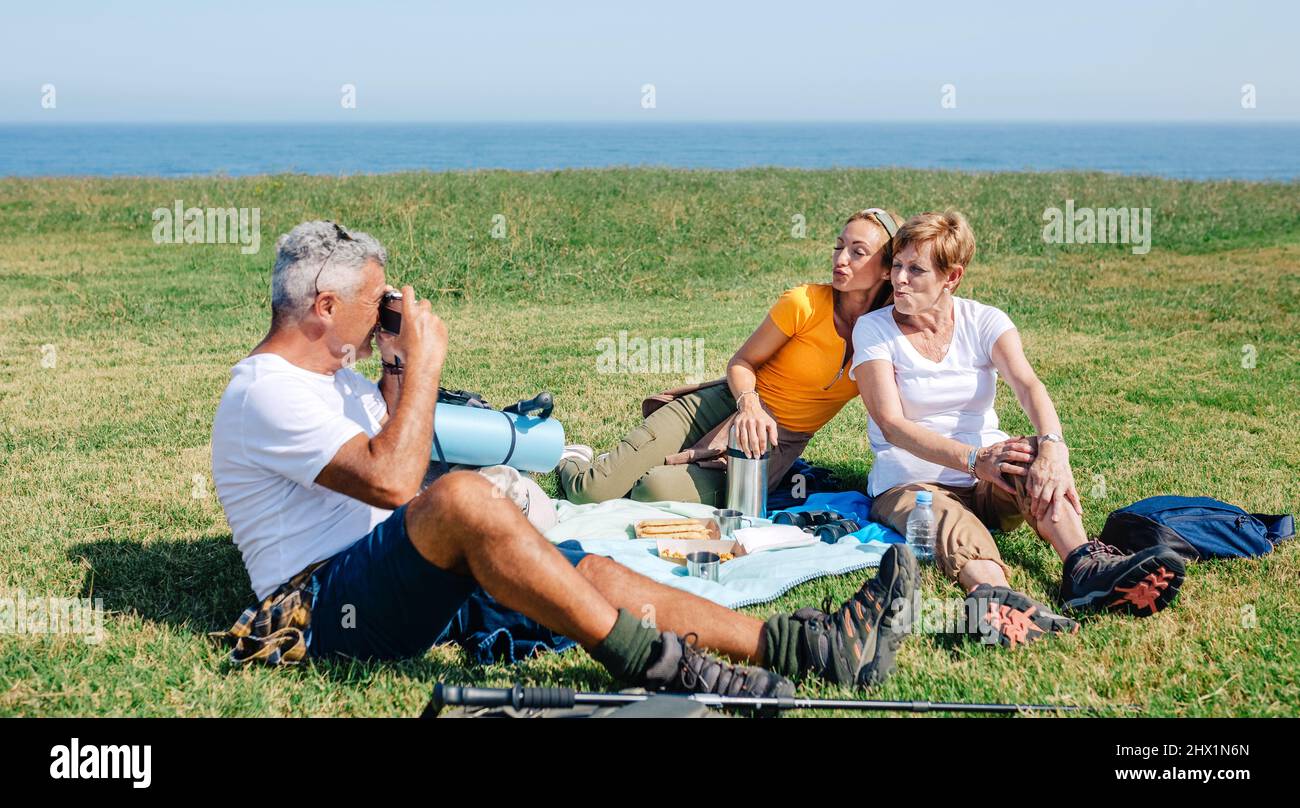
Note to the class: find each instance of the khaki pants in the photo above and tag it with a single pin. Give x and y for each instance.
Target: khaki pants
(964, 516)
(667, 457)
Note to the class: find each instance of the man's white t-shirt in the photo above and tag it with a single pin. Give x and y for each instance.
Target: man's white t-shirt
(276, 427)
(953, 398)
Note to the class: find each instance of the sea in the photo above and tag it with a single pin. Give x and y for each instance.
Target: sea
(1196, 151)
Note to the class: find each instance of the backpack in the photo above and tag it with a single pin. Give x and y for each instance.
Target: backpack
(1196, 527)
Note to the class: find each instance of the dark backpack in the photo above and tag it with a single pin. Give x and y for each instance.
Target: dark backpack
(1196, 527)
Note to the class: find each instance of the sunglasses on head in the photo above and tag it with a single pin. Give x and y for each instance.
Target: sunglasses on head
(342, 235)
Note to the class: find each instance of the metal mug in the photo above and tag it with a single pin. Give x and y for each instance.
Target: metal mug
(704, 564)
(730, 520)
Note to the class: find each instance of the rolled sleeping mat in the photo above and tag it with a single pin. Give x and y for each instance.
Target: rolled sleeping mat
(474, 436)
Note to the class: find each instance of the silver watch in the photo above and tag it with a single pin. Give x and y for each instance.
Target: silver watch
(1052, 437)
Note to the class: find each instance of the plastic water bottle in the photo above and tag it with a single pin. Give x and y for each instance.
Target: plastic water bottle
(921, 528)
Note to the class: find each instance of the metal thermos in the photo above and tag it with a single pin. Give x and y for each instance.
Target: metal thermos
(746, 480)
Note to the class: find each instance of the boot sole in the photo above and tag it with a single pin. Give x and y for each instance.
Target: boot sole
(1021, 609)
(1144, 589)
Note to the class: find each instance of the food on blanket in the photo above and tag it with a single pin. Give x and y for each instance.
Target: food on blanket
(673, 532)
(674, 529)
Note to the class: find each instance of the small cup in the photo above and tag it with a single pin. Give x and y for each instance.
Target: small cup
(704, 564)
(729, 521)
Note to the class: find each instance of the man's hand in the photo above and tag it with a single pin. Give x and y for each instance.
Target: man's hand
(422, 345)
(386, 470)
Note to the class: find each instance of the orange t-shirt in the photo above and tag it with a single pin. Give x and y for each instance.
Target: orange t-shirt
(798, 384)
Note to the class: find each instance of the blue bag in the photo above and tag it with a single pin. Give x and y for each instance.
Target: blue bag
(1196, 527)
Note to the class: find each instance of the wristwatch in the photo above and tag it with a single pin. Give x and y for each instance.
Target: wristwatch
(1052, 437)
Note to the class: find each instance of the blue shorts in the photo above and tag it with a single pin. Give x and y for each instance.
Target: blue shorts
(380, 599)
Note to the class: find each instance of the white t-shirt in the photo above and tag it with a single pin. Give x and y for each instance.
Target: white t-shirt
(277, 426)
(953, 398)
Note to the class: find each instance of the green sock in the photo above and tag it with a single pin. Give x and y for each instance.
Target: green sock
(627, 649)
(782, 634)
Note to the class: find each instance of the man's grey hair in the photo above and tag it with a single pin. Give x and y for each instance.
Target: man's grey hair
(303, 251)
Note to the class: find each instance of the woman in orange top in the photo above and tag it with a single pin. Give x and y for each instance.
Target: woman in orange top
(787, 380)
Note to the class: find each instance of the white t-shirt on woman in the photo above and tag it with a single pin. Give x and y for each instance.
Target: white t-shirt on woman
(953, 398)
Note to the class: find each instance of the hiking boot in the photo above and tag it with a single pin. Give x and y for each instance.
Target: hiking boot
(856, 643)
(999, 614)
(1098, 578)
(683, 668)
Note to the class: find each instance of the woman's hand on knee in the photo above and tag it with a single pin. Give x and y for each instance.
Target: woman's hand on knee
(1050, 483)
(1008, 457)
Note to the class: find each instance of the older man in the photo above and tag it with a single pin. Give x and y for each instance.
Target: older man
(319, 471)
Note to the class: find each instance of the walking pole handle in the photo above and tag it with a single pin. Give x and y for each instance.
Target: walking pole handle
(518, 697)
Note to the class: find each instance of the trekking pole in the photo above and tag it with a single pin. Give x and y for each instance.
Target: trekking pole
(541, 698)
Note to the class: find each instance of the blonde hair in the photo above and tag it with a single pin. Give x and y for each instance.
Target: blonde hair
(951, 240)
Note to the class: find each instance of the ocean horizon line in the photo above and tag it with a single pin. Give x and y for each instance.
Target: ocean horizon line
(679, 122)
(1259, 150)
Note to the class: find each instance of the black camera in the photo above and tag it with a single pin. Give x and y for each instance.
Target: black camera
(390, 312)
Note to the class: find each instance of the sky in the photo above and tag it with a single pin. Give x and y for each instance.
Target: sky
(591, 61)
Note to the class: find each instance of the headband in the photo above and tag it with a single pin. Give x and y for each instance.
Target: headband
(882, 216)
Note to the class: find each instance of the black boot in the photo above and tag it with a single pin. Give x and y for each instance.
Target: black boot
(1099, 578)
(679, 666)
(856, 643)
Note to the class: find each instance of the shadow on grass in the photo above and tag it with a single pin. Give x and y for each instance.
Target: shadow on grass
(194, 584)
(1025, 551)
(849, 476)
(200, 585)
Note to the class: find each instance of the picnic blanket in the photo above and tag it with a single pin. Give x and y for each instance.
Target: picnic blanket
(606, 529)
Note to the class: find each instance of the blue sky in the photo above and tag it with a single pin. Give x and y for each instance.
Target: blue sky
(795, 61)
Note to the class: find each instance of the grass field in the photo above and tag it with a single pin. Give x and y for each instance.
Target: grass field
(1174, 372)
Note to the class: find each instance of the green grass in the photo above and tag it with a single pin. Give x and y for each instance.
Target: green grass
(1142, 354)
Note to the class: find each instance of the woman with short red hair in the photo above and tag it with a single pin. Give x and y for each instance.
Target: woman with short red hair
(927, 368)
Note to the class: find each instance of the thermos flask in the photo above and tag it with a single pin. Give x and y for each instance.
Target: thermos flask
(746, 480)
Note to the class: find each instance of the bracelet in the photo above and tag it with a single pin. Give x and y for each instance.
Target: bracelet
(970, 461)
(392, 368)
(742, 395)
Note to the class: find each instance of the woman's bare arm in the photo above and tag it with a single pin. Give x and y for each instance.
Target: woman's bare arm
(755, 428)
(879, 391)
(1050, 476)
